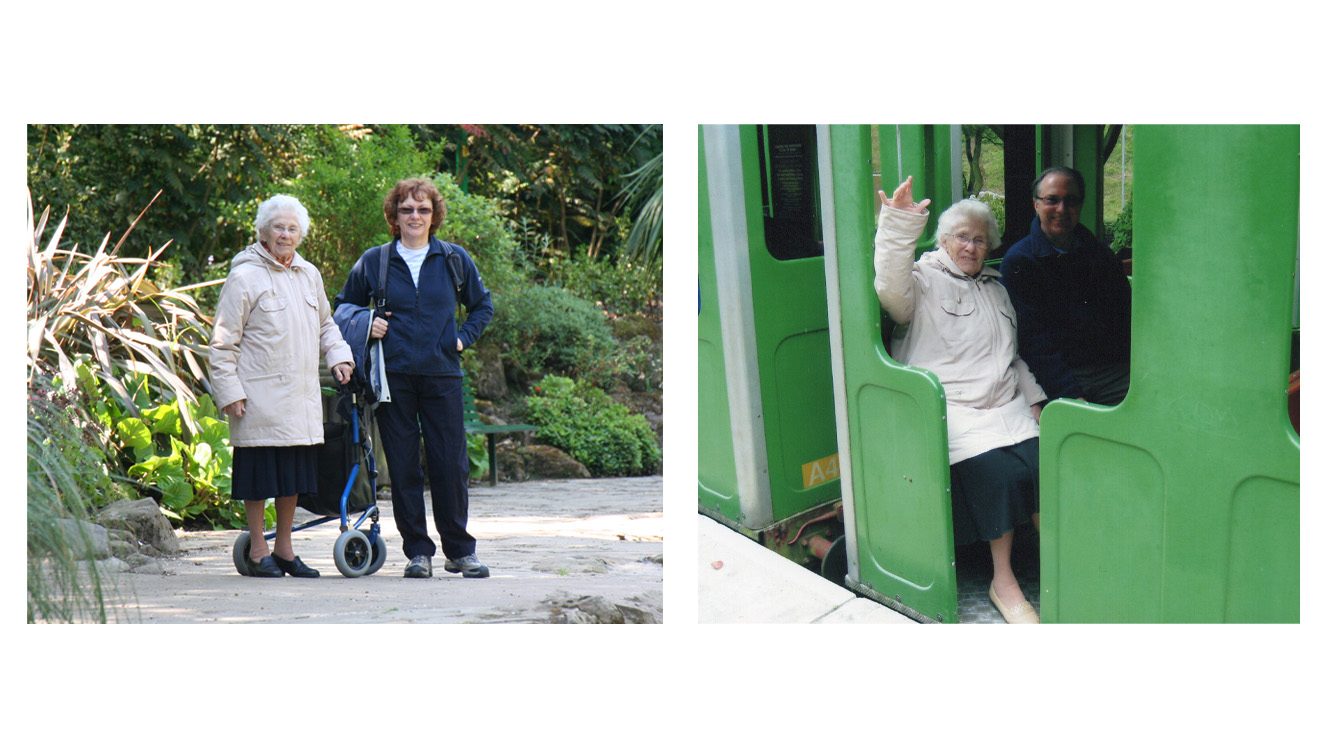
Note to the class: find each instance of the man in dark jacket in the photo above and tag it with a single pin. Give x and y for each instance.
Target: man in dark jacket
(418, 326)
(1072, 298)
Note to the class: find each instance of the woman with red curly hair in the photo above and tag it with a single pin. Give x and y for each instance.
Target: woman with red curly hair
(422, 339)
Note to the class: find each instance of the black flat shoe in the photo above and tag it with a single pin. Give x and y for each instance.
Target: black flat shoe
(295, 568)
(266, 567)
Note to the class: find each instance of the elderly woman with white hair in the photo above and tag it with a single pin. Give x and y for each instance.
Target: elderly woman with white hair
(272, 325)
(955, 319)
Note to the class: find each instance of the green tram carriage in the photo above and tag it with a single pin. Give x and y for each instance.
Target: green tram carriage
(1180, 504)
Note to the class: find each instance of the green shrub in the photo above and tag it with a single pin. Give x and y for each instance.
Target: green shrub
(620, 287)
(640, 359)
(635, 363)
(344, 186)
(596, 431)
(996, 203)
(1118, 232)
(475, 223)
(190, 470)
(545, 329)
(478, 462)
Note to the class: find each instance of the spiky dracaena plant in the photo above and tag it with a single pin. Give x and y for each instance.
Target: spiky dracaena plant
(103, 307)
(98, 313)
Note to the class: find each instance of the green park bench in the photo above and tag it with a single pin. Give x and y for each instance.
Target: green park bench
(473, 424)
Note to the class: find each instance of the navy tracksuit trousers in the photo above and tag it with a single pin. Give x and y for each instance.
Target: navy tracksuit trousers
(429, 410)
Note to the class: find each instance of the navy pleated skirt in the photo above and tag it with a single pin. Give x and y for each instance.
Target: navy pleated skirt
(262, 473)
(995, 491)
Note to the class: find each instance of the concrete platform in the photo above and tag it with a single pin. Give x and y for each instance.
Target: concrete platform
(739, 581)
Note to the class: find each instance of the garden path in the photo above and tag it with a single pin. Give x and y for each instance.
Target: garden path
(548, 544)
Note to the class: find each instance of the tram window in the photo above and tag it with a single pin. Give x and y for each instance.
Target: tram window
(790, 195)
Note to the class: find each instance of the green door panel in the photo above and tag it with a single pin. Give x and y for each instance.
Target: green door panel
(1199, 466)
(767, 442)
(792, 344)
(897, 448)
(902, 471)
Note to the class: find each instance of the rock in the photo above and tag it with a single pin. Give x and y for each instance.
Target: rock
(124, 550)
(518, 463)
(596, 609)
(510, 462)
(145, 565)
(84, 539)
(143, 519)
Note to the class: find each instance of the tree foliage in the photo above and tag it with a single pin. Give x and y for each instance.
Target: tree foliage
(210, 178)
(975, 138)
(343, 185)
(568, 182)
(562, 192)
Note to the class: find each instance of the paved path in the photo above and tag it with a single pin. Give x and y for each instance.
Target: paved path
(549, 545)
(740, 581)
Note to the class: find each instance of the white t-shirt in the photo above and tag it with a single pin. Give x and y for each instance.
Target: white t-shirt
(414, 259)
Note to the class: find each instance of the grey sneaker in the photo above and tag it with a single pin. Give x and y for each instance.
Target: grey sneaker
(469, 565)
(419, 567)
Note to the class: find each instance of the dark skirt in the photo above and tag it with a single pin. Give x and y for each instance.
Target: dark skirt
(262, 473)
(995, 491)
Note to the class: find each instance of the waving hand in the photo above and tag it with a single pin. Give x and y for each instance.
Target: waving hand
(902, 199)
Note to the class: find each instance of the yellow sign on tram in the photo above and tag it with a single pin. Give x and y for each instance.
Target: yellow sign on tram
(820, 471)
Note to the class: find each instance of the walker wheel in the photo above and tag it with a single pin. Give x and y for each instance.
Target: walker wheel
(377, 553)
(241, 547)
(352, 553)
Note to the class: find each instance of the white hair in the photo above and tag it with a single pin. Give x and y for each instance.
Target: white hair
(277, 204)
(965, 211)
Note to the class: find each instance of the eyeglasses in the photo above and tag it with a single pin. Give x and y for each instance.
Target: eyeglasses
(418, 211)
(1069, 201)
(976, 241)
(279, 228)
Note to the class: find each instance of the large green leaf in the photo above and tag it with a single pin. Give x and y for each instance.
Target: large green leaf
(134, 433)
(164, 419)
(176, 493)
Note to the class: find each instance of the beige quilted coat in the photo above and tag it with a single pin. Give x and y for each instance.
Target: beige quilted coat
(961, 328)
(272, 326)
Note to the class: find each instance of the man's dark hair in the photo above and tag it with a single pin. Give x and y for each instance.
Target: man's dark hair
(1071, 173)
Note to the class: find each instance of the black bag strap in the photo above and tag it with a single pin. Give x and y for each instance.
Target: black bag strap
(457, 272)
(383, 277)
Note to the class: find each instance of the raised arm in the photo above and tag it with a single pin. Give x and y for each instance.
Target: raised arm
(902, 199)
(901, 222)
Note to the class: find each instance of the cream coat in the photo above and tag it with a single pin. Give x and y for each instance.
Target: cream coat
(964, 330)
(271, 326)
